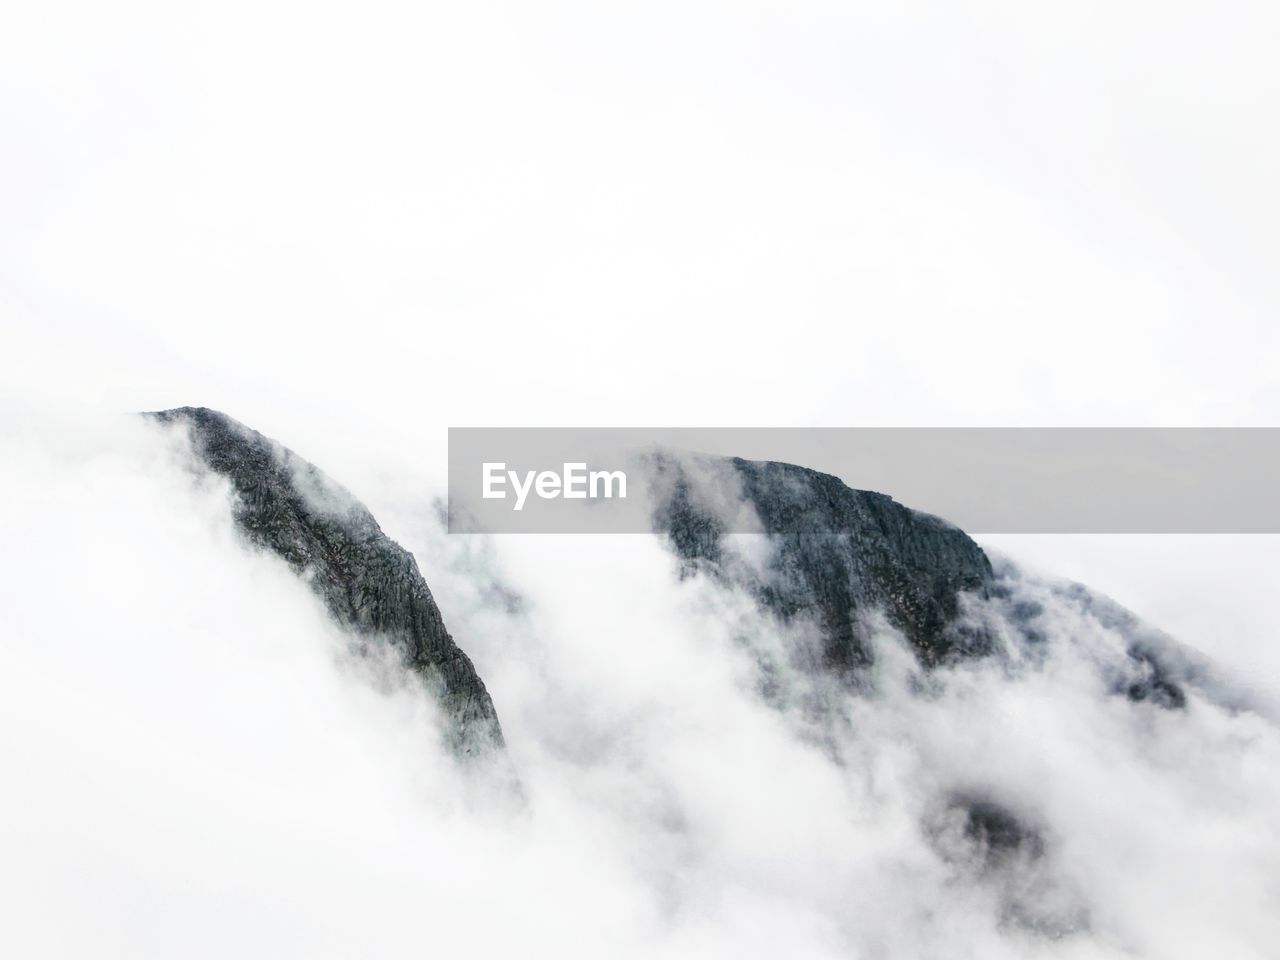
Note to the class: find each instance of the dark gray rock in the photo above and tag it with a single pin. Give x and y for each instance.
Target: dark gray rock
(838, 555)
(989, 843)
(369, 583)
(995, 833)
(1154, 670)
(973, 830)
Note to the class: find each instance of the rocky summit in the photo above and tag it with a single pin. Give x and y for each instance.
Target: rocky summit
(838, 555)
(841, 557)
(369, 583)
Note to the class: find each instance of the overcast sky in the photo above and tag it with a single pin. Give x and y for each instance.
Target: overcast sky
(352, 226)
(678, 213)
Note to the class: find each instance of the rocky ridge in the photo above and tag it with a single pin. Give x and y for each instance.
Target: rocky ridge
(370, 584)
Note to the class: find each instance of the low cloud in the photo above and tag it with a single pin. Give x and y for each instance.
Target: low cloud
(197, 765)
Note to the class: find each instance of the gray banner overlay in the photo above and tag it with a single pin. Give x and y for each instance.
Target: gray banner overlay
(984, 480)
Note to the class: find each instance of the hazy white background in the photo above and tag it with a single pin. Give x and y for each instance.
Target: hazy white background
(355, 225)
(352, 226)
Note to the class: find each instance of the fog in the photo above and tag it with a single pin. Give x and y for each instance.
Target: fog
(353, 228)
(195, 763)
(384, 221)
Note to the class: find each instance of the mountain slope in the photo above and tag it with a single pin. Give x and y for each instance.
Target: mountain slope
(841, 557)
(870, 578)
(368, 582)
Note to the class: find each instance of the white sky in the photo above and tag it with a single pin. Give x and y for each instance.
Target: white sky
(352, 226)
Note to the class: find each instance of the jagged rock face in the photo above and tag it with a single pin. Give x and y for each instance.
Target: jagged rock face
(1152, 670)
(939, 589)
(368, 582)
(840, 555)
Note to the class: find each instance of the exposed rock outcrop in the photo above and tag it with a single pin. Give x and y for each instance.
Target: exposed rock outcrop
(985, 842)
(839, 555)
(369, 583)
